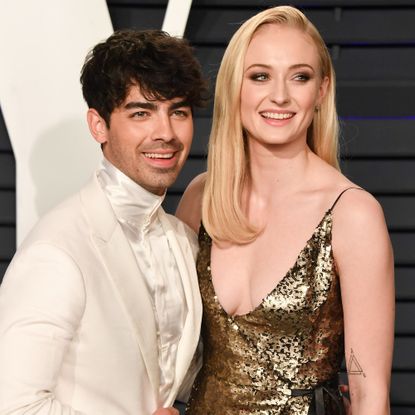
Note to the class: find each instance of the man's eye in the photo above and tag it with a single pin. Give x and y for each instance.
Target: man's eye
(259, 77)
(139, 114)
(181, 113)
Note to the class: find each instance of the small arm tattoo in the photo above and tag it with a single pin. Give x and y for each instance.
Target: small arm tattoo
(354, 368)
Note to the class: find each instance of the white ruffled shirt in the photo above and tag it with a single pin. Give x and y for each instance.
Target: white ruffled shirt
(136, 210)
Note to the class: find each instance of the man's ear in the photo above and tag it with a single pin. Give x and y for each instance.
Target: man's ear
(97, 126)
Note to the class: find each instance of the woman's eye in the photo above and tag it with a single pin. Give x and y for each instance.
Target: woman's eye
(259, 77)
(302, 77)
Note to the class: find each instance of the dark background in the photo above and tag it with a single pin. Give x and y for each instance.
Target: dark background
(373, 49)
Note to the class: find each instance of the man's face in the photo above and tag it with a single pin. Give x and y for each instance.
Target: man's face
(149, 140)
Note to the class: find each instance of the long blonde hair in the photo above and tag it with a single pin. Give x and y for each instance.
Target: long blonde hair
(227, 172)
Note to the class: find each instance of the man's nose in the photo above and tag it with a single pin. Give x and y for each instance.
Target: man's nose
(164, 128)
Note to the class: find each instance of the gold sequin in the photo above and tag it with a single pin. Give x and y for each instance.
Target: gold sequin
(292, 340)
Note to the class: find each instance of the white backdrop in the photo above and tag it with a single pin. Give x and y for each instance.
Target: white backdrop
(43, 44)
(176, 16)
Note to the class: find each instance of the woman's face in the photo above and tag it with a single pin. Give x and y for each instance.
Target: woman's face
(281, 86)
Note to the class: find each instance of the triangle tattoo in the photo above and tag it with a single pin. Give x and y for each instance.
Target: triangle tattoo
(354, 367)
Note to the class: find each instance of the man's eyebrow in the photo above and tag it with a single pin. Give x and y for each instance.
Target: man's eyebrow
(153, 106)
(179, 104)
(142, 105)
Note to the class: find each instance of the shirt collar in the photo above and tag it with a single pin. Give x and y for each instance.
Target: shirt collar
(131, 202)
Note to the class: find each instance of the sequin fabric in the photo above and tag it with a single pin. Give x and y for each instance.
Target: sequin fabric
(292, 340)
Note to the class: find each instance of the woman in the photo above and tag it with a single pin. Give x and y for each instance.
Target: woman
(273, 199)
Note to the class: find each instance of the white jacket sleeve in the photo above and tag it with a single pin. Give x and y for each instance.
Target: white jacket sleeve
(42, 299)
(195, 366)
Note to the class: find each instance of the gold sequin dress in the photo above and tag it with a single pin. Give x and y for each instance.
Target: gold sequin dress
(283, 357)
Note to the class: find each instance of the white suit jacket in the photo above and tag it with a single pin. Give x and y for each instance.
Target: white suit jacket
(77, 327)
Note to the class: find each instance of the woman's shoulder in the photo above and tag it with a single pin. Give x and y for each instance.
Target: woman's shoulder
(360, 238)
(350, 197)
(358, 218)
(197, 183)
(356, 208)
(351, 204)
(189, 209)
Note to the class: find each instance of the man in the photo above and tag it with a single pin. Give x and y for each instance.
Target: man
(99, 309)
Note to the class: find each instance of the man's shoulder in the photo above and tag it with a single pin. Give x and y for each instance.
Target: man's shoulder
(183, 230)
(66, 219)
(177, 224)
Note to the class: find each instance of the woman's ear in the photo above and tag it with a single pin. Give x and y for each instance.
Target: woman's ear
(325, 82)
(97, 126)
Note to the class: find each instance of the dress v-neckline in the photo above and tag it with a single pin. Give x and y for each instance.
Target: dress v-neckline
(326, 216)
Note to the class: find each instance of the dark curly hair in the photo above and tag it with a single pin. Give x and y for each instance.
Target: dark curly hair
(163, 66)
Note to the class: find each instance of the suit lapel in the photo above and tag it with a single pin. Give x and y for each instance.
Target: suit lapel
(182, 252)
(124, 274)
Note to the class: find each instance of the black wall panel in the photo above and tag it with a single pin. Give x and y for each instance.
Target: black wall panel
(192, 167)
(402, 391)
(399, 212)
(404, 358)
(404, 283)
(7, 178)
(8, 242)
(266, 3)
(379, 175)
(125, 17)
(402, 410)
(352, 63)
(7, 207)
(403, 244)
(374, 63)
(3, 266)
(7, 199)
(378, 137)
(5, 145)
(338, 26)
(404, 318)
(301, 3)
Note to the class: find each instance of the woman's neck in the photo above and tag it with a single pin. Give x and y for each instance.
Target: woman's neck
(275, 175)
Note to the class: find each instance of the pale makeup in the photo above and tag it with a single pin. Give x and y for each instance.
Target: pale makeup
(282, 87)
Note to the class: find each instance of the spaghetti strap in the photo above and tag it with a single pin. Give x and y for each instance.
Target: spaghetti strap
(341, 194)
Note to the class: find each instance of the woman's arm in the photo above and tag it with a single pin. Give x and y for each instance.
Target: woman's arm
(189, 209)
(364, 258)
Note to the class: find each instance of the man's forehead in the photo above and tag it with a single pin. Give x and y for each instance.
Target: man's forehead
(135, 94)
